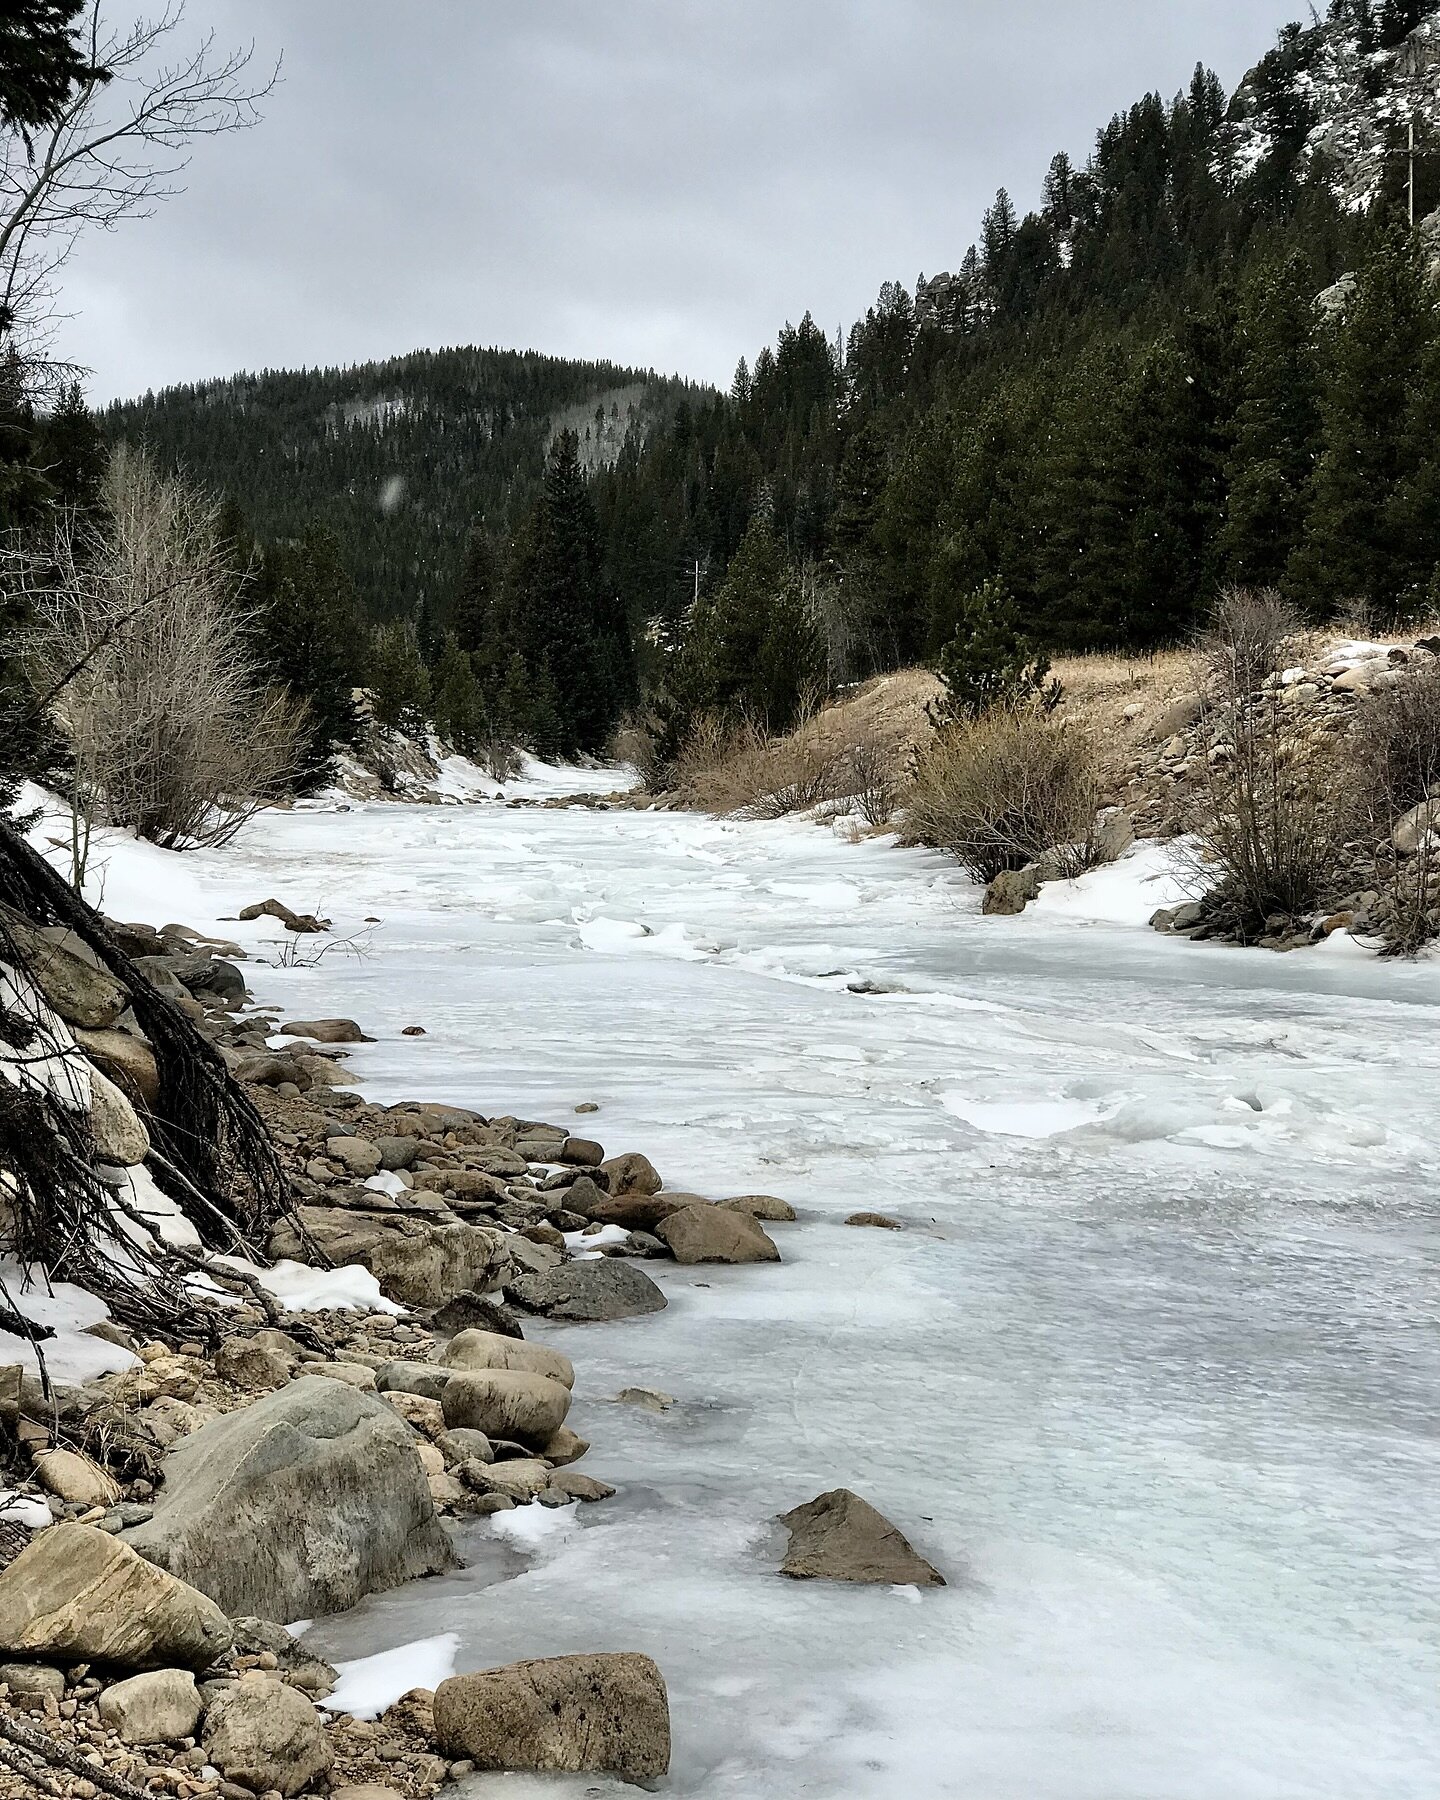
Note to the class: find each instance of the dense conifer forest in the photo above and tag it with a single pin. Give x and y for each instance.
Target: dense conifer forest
(1210, 355)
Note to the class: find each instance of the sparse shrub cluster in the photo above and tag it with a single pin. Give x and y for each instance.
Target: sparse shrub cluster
(1004, 788)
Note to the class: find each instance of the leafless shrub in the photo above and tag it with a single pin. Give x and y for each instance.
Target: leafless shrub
(635, 745)
(1267, 818)
(745, 769)
(1393, 770)
(1003, 789)
(143, 648)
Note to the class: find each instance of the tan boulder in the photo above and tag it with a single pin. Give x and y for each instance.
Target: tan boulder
(162, 1707)
(477, 1350)
(518, 1478)
(710, 1234)
(74, 986)
(632, 1174)
(565, 1447)
(507, 1403)
(266, 1736)
(416, 1262)
(75, 1478)
(761, 1206)
(130, 1064)
(875, 1221)
(840, 1537)
(75, 1594)
(584, 1714)
(325, 1031)
(120, 1136)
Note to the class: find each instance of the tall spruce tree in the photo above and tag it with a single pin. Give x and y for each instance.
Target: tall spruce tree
(1277, 423)
(1376, 354)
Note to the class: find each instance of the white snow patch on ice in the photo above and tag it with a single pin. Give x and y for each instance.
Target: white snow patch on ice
(302, 1289)
(535, 1527)
(1031, 1118)
(370, 1684)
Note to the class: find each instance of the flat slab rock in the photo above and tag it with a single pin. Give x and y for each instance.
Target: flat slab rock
(840, 1537)
(589, 1291)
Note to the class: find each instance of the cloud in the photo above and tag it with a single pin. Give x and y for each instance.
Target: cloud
(660, 182)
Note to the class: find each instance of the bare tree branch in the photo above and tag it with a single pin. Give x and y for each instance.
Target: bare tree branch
(117, 148)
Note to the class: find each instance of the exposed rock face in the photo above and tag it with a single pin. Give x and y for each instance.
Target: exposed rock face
(589, 1291)
(298, 1505)
(507, 1403)
(159, 1708)
(586, 1714)
(475, 1350)
(710, 1234)
(119, 1135)
(839, 1537)
(75, 1594)
(265, 1736)
(415, 1262)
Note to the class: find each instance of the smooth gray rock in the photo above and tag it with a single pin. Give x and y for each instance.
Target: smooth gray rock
(296, 1506)
(589, 1291)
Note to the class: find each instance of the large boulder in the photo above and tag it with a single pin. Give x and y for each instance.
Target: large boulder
(473, 1350)
(326, 1031)
(416, 1262)
(405, 1377)
(75, 1594)
(120, 1137)
(128, 1062)
(711, 1234)
(209, 978)
(298, 1505)
(507, 1403)
(74, 985)
(589, 1291)
(839, 1537)
(584, 1714)
(632, 1212)
(1011, 892)
(265, 1736)
(632, 1174)
(159, 1708)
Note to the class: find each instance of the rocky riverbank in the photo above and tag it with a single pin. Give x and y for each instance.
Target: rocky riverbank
(319, 1434)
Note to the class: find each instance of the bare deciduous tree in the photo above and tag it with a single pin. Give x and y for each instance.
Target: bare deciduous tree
(116, 148)
(140, 639)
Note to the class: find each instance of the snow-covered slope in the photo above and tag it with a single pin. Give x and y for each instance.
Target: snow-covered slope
(1353, 98)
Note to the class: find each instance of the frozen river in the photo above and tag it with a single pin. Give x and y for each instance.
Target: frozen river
(1152, 1375)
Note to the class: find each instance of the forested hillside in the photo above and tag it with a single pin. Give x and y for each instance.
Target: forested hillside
(1208, 356)
(397, 459)
(1118, 403)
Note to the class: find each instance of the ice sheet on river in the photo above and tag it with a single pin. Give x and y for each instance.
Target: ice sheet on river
(1153, 1380)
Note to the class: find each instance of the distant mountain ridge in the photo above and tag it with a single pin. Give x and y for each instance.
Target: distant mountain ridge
(398, 458)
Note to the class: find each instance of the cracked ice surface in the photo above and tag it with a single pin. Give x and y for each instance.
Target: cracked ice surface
(1152, 1376)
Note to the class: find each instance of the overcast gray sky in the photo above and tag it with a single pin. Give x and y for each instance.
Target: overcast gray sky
(661, 182)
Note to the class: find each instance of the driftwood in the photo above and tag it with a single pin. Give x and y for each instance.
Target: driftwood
(46, 1749)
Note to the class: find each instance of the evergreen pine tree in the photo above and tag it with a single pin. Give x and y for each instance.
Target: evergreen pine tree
(1277, 426)
(990, 660)
(71, 450)
(306, 617)
(399, 683)
(1376, 355)
(459, 704)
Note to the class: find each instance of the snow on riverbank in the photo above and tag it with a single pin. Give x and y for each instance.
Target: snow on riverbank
(1150, 1375)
